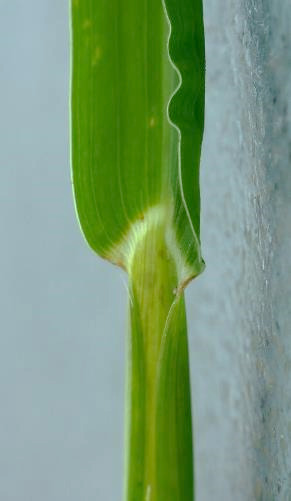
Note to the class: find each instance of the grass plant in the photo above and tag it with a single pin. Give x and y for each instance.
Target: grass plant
(137, 118)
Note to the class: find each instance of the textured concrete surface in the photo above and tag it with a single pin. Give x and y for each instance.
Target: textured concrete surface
(240, 309)
(63, 312)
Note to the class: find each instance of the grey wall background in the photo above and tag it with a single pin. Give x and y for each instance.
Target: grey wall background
(63, 311)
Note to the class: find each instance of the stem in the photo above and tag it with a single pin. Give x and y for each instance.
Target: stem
(159, 462)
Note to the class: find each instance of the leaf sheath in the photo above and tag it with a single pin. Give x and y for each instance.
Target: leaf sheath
(159, 433)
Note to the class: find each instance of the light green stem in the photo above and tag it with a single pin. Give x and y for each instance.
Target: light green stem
(159, 459)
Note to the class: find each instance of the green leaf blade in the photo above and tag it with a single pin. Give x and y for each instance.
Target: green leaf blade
(126, 156)
(117, 115)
